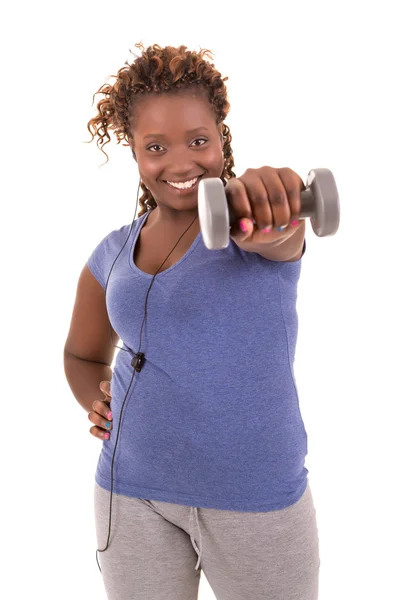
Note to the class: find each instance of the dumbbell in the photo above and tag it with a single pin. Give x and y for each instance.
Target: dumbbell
(319, 202)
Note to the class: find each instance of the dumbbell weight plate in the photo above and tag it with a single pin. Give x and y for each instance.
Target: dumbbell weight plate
(214, 215)
(320, 201)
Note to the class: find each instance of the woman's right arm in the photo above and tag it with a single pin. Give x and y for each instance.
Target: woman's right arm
(88, 351)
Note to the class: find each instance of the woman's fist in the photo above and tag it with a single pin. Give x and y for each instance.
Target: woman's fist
(101, 414)
(272, 198)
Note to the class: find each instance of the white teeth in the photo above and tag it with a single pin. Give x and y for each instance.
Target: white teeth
(185, 185)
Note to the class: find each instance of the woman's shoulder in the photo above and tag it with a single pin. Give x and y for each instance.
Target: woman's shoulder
(119, 234)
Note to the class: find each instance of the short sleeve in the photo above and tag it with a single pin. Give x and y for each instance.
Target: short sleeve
(101, 259)
(96, 261)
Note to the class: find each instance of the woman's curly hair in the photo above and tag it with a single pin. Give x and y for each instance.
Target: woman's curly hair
(159, 70)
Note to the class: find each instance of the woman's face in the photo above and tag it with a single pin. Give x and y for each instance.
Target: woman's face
(176, 139)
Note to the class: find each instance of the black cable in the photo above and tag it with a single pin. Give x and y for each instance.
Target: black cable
(137, 360)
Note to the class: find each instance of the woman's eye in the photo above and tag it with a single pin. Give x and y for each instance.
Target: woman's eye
(154, 146)
(200, 140)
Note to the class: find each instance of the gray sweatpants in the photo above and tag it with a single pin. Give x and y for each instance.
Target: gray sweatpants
(157, 550)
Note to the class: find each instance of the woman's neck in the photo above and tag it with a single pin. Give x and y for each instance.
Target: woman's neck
(176, 221)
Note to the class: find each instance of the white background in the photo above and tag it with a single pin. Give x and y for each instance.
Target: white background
(311, 84)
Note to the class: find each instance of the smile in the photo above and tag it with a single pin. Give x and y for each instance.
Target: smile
(185, 185)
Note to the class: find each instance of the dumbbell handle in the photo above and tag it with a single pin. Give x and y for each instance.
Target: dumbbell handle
(307, 207)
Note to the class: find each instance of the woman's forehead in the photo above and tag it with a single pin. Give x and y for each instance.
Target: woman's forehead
(186, 111)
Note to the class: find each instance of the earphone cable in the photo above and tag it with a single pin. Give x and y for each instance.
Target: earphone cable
(137, 360)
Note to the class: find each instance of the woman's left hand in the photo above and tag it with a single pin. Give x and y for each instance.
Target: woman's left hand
(269, 196)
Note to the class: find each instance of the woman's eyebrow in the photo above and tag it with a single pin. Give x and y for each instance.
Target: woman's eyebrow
(161, 135)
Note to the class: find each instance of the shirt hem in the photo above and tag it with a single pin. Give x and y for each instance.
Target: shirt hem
(198, 501)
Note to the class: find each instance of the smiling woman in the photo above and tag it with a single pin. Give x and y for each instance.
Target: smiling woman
(212, 420)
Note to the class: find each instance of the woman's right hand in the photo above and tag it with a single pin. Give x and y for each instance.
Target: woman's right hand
(101, 413)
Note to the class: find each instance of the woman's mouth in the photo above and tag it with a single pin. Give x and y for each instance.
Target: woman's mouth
(184, 187)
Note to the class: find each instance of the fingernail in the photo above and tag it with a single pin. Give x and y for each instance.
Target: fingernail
(108, 424)
(106, 436)
(281, 228)
(267, 229)
(243, 226)
(109, 415)
(294, 223)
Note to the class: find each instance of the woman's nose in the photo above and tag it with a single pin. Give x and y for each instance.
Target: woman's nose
(180, 160)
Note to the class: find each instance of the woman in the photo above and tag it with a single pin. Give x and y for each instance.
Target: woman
(205, 463)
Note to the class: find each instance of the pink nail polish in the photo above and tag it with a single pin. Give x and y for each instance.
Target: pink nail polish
(294, 223)
(109, 415)
(243, 226)
(106, 436)
(266, 230)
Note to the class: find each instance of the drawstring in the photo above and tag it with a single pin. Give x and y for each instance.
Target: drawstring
(193, 509)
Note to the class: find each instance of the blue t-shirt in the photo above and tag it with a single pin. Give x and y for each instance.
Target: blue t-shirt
(212, 420)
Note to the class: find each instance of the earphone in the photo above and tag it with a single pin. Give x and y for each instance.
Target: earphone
(138, 358)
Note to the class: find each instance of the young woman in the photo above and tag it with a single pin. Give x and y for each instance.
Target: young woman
(202, 460)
